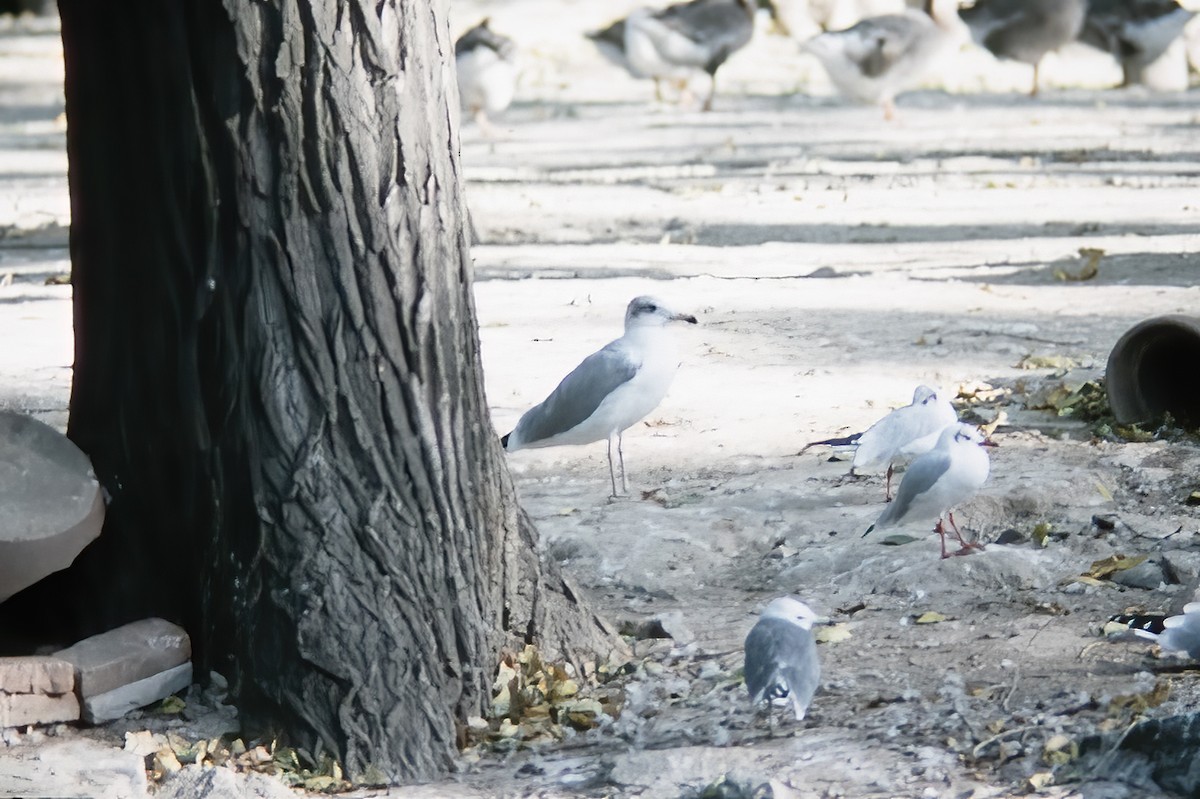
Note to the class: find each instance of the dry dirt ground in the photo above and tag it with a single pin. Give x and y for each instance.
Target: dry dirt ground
(834, 262)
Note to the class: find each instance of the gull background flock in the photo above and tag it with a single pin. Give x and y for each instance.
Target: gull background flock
(871, 61)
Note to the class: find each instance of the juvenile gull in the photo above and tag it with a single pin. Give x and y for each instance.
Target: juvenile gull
(1135, 32)
(875, 59)
(937, 481)
(1024, 30)
(905, 433)
(487, 73)
(1174, 633)
(781, 656)
(610, 390)
(680, 40)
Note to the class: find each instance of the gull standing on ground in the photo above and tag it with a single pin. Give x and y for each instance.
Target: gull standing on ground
(905, 433)
(881, 56)
(937, 481)
(681, 40)
(610, 390)
(1024, 30)
(1135, 32)
(1173, 633)
(487, 73)
(781, 656)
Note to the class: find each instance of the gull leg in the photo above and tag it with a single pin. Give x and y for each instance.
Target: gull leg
(1036, 82)
(621, 460)
(889, 109)
(965, 546)
(887, 485)
(941, 531)
(612, 475)
(712, 92)
(658, 94)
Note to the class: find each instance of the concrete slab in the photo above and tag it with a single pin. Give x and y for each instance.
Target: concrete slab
(76, 769)
(127, 654)
(17, 710)
(116, 703)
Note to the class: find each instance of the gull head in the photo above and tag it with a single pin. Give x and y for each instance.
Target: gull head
(650, 312)
(924, 395)
(791, 609)
(963, 434)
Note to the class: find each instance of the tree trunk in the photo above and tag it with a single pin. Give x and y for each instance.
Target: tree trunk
(277, 369)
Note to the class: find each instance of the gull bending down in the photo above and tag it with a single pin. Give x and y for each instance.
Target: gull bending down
(781, 656)
(610, 390)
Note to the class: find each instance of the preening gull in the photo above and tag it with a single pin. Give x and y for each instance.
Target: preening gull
(610, 390)
(487, 73)
(1174, 633)
(905, 433)
(875, 59)
(1024, 30)
(781, 656)
(937, 481)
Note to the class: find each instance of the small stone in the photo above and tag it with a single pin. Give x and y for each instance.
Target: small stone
(1148, 574)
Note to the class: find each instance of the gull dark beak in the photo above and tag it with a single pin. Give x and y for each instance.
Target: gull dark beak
(684, 317)
(987, 442)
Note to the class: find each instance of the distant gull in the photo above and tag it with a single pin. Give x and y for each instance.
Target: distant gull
(901, 435)
(487, 72)
(610, 390)
(937, 481)
(1135, 32)
(1024, 30)
(781, 656)
(680, 40)
(1173, 633)
(875, 59)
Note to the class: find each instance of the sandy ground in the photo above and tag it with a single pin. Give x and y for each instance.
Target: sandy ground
(834, 262)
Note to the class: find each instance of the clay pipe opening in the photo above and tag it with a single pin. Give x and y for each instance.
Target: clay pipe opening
(1155, 369)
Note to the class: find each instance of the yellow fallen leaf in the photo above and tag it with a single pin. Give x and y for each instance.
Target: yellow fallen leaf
(165, 762)
(930, 617)
(1113, 563)
(832, 633)
(1104, 492)
(1047, 362)
(1040, 781)
(989, 429)
(1059, 750)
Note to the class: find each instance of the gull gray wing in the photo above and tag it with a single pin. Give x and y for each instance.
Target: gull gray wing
(717, 27)
(920, 477)
(578, 395)
(779, 652)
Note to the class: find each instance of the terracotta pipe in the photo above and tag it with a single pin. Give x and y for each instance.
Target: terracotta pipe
(1155, 368)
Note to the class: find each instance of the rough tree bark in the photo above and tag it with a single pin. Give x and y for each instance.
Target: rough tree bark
(277, 369)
